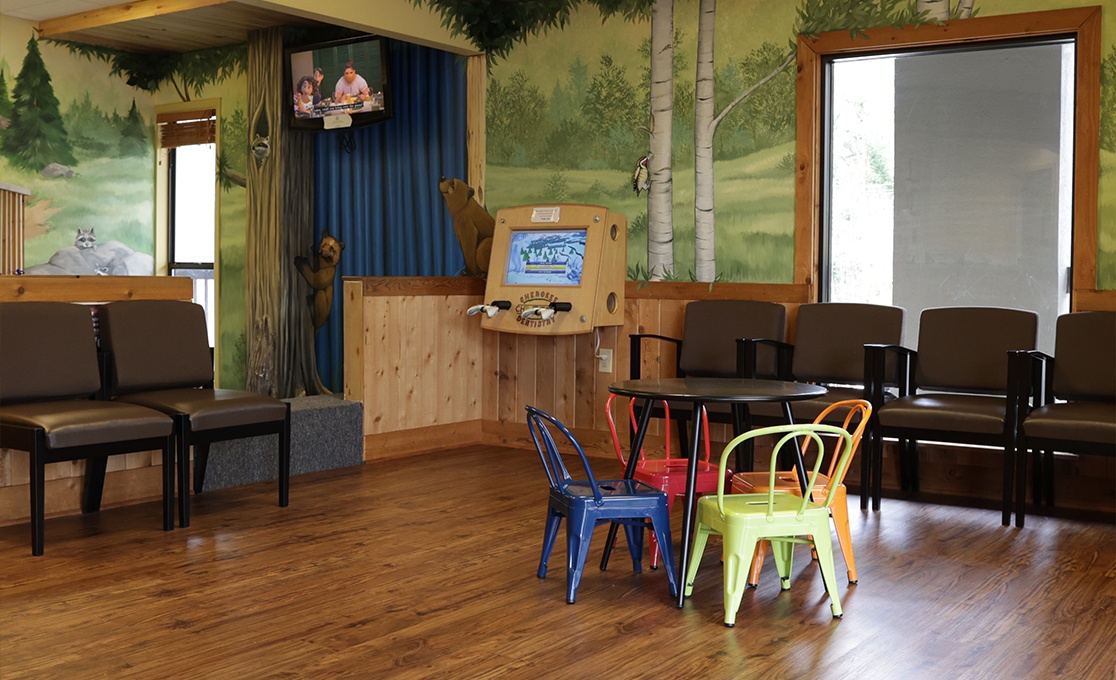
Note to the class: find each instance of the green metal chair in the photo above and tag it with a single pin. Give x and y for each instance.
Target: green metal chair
(784, 519)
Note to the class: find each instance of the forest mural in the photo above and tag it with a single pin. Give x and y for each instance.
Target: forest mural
(569, 119)
(77, 127)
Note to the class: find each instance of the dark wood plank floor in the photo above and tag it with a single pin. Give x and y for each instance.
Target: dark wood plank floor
(425, 568)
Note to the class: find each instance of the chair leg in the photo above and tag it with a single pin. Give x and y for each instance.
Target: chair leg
(823, 545)
(201, 462)
(168, 484)
(1048, 477)
(182, 461)
(866, 468)
(783, 552)
(94, 484)
(757, 563)
(738, 545)
(701, 537)
(1008, 495)
(877, 478)
(839, 511)
(579, 532)
(660, 525)
(634, 534)
(38, 511)
(285, 461)
(550, 534)
(653, 540)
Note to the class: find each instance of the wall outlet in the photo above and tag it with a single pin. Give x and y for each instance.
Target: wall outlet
(604, 361)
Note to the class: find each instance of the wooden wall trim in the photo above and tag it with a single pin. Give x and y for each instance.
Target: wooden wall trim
(762, 292)
(1094, 301)
(1082, 23)
(417, 286)
(420, 440)
(94, 288)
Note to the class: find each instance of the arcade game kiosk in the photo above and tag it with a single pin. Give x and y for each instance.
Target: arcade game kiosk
(556, 269)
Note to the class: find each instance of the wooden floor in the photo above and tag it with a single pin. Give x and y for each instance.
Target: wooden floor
(425, 568)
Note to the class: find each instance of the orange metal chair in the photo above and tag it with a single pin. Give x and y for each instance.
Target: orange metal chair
(666, 474)
(858, 414)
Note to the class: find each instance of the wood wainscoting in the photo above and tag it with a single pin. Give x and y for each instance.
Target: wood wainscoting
(430, 379)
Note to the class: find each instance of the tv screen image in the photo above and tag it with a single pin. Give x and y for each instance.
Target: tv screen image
(546, 258)
(340, 78)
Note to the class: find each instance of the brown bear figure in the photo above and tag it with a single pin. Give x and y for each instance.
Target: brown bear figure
(320, 276)
(472, 225)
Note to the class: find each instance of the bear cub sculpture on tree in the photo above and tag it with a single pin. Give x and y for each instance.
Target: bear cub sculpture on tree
(472, 225)
(320, 276)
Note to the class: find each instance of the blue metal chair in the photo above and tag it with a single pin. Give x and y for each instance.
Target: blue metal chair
(588, 503)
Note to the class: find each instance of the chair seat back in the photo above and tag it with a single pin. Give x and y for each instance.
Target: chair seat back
(710, 331)
(965, 349)
(47, 351)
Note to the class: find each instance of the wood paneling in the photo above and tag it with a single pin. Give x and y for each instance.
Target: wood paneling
(94, 288)
(415, 360)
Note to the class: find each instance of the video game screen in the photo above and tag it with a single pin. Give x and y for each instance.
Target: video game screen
(546, 258)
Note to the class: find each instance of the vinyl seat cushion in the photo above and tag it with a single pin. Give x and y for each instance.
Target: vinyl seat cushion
(1073, 421)
(212, 409)
(966, 413)
(81, 422)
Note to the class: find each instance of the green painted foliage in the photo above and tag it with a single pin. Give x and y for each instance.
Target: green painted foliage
(36, 136)
(5, 99)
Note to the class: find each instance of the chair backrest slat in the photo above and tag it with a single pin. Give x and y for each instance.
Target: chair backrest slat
(965, 348)
(539, 424)
(1085, 357)
(790, 432)
(156, 344)
(47, 351)
(829, 339)
(712, 327)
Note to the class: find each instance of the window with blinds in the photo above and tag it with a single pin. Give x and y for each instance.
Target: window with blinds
(186, 128)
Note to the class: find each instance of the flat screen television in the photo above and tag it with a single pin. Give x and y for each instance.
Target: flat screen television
(545, 257)
(338, 84)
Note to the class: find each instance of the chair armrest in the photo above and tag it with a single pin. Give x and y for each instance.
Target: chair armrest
(876, 378)
(1030, 372)
(636, 353)
(746, 352)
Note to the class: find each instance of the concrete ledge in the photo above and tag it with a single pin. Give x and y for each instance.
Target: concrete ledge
(326, 433)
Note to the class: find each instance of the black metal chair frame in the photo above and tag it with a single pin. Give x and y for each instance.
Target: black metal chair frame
(875, 363)
(1035, 379)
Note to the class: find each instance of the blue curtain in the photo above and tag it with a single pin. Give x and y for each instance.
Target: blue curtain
(380, 197)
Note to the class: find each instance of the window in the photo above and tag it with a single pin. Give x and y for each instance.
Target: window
(949, 180)
(1078, 203)
(188, 140)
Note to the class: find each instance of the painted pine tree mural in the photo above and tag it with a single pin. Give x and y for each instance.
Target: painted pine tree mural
(36, 137)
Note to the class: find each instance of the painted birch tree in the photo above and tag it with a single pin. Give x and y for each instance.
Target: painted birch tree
(813, 17)
(660, 195)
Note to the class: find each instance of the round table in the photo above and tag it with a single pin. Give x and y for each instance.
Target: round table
(699, 391)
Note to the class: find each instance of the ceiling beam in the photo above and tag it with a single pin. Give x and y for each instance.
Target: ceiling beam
(129, 11)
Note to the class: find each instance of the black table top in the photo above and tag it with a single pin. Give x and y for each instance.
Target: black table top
(716, 389)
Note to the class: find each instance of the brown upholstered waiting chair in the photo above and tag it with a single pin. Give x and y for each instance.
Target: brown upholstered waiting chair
(956, 388)
(828, 350)
(708, 348)
(1078, 414)
(158, 356)
(48, 374)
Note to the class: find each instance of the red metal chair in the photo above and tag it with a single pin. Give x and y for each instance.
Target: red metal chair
(666, 474)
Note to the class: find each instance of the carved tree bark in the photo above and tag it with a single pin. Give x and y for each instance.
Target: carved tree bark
(279, 226)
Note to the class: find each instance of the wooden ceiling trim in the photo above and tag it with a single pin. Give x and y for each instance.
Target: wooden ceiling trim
(131, 11)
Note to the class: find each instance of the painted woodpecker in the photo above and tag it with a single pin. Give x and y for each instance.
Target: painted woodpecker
(641, 179)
